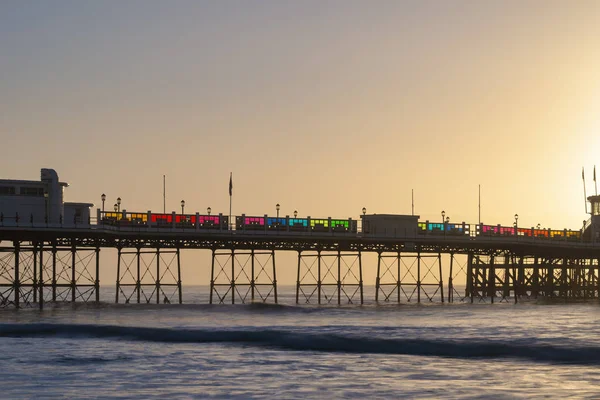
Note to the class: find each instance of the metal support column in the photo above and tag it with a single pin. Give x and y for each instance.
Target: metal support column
(232, 276)
(16, 282)
(138, 281)
(179, 276)
(319, 276)
(35, 276)
(419, 277)
(212, 277)
(378, 278)
(97, 281)
(252, 275)
(339, 278)
(118, 275)
(441, 279)
(298, 277)
(54, 271)
(41, 279)
(450, 284)
(73, 278)
(398, 283)
(158, 275)
(274, 277)
(360, 281)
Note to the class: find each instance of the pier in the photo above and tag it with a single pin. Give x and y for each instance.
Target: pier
(50, 251)
(61, 262)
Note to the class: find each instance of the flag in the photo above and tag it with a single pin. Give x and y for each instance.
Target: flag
(230, 183)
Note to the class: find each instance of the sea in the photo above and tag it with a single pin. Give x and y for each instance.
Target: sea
(533, 349)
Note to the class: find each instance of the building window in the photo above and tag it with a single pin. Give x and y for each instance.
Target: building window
(32, 191)
(595, 208)
(7, 190)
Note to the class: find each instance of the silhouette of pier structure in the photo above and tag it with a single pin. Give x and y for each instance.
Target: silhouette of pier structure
(59, 261)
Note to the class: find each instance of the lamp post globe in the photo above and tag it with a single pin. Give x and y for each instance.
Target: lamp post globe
(208, 210)
(295, 213)
(116, 207)
(118, 204)
(103, 197)
(364, 210)
(277, 207)
(182, 206)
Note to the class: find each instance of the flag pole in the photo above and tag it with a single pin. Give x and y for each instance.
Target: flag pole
(479, 204)
(595, 184)
(164, 194)
(584, 195)
(230, 198)
(413, 201)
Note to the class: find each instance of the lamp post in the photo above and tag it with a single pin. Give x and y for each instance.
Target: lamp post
(118, 204)
(103, 197)
(295, 213)
(277, 207)
(208, 210)
(364, 210)
(182, 206)
(116, 207)
(516, 224)
(443, 219)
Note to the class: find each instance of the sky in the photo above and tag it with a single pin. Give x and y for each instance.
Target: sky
(324, 107)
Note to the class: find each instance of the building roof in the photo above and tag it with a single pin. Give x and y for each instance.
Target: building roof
(70, 203)
(25, 182)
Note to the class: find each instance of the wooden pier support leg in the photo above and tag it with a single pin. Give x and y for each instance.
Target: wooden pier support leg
(441, 277)
(212, 277)
(470, 276)
(274, 277)
(118, 288)
(138, 279)
(54, 272)
(73, 278)
(516, 285)
(492, 279)
(563, 279)
(360, 277)
(319, 276)
(506, 282)
(298, 277)
(598, 278)
(97, 280)
(16, 282)
(535, 289)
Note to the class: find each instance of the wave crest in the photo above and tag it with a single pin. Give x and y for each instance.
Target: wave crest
(319, 341)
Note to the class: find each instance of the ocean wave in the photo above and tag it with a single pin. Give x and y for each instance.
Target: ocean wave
(283, 339)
